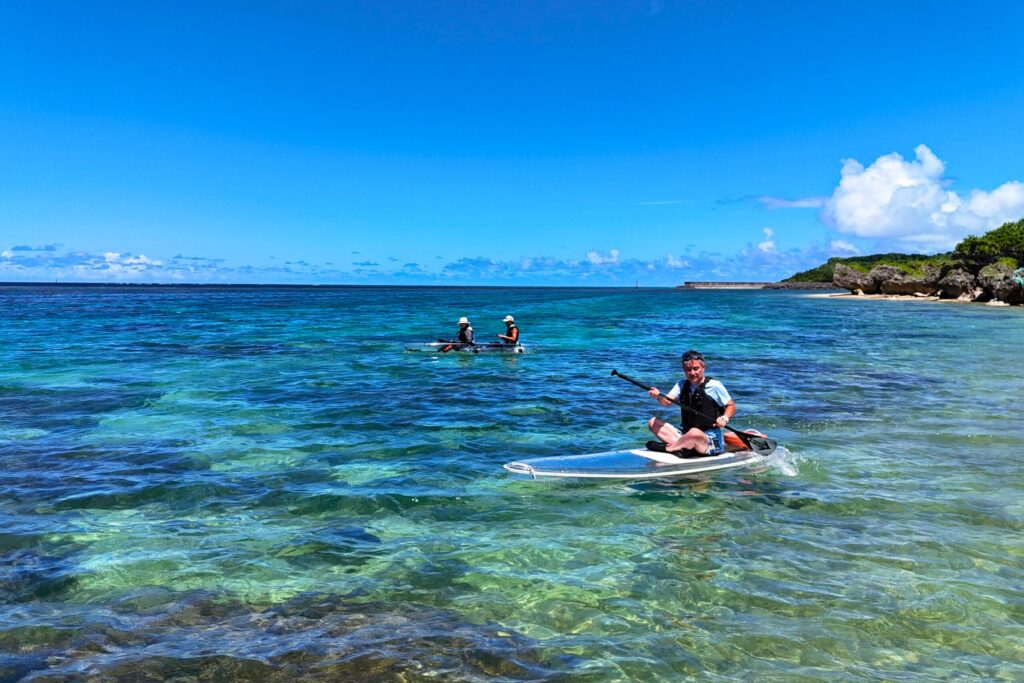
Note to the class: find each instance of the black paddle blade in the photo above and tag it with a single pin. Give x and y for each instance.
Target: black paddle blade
(760, 444)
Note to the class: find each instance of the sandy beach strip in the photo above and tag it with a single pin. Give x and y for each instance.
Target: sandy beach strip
(903, 297)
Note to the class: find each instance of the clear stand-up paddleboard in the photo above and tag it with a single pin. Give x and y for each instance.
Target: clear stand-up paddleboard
(489, 347)
(636, 463)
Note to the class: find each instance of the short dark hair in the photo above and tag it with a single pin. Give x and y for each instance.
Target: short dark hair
(693, 355)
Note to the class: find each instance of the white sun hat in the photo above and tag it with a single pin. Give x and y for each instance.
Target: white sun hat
(463, 319)
(508, 319)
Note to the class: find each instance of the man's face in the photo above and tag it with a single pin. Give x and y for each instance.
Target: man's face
(694, 370)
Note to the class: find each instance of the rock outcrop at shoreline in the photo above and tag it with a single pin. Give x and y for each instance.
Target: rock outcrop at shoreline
(993, 283)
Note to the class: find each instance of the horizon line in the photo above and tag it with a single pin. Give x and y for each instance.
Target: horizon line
(317, 286)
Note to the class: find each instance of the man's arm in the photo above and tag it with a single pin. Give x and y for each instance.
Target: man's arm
(730, 410)
(663, 399)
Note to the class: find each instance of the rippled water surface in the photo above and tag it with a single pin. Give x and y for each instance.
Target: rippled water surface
(263, 485)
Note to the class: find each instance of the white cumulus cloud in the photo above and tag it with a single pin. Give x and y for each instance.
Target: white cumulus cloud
(599, 259)
(121, 264)
(907, 204)
(768, 245)
(141, 260)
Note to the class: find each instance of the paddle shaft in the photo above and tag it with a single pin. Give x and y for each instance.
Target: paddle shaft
(744, 437)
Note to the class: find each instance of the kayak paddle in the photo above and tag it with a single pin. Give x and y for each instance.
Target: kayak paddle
(761, 445)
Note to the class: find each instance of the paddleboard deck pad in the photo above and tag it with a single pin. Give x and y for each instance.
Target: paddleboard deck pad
(636, 463)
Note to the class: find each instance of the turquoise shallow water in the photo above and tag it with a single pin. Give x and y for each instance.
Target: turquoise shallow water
(263, 485)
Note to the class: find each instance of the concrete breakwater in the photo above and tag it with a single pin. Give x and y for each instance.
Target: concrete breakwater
(723, 285)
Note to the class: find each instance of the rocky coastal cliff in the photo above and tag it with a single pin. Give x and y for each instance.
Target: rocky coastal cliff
(994, 282)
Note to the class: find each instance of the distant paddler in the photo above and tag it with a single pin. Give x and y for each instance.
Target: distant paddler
(465, 336)
(705, 405)
(511, 335)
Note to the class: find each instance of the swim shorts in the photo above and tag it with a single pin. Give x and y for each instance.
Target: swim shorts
(716, 441)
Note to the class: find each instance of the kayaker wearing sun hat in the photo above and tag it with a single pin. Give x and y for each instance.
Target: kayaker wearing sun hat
(465, 331)
(511, 335)
(465, 336)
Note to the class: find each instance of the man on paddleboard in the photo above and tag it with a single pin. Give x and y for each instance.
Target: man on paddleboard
(706, 408)
(511, 335)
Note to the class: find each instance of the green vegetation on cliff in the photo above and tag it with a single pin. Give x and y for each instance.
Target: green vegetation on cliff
(822, 273)
(1005, 244)
(911, 264)
(1006, 241)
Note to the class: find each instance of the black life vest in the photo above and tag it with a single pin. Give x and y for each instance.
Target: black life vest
(508, 333)
(705, 409)
(466, 335)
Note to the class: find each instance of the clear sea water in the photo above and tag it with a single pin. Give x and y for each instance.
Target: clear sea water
(263, 485)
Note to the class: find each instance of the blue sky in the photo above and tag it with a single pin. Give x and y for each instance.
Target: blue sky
(502, 142)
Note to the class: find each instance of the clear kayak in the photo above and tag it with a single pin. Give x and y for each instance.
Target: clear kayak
(445, 347)
(635, 463)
